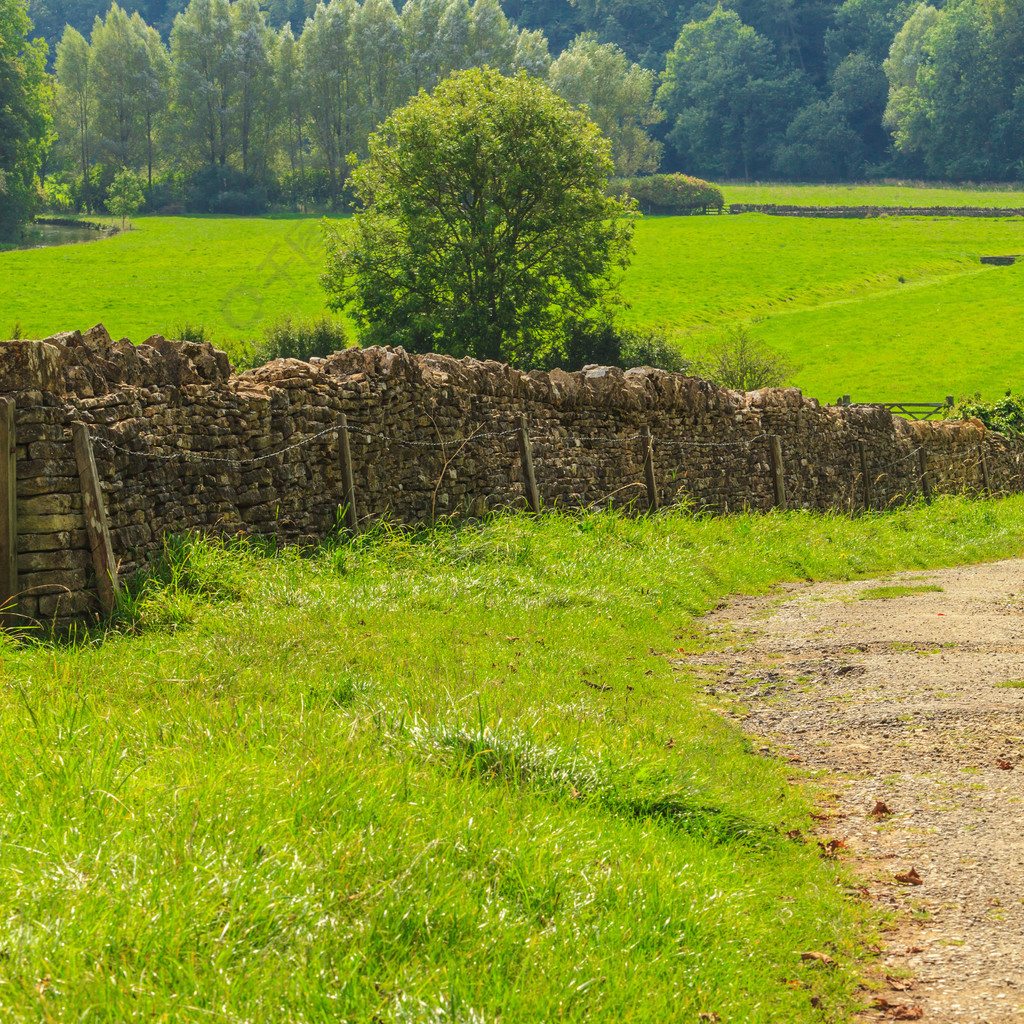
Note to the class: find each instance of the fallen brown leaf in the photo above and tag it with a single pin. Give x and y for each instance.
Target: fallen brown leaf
(905, 1013)
(794, 833)
(910, 877)
(831, 848)
(708, 1016)
(915, 949)
(897, 984)
(881, 809)
(1004, 764)
(822, 958)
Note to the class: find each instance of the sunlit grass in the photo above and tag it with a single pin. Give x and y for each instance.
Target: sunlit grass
(458, 774)
(1006, 197)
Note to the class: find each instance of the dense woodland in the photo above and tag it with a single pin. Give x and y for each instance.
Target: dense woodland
(233, 106)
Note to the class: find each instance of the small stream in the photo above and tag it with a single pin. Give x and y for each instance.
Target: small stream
(39, 236)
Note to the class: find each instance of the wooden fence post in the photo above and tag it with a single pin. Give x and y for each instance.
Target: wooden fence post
(775, 449)
(95, 513)
(986, 479)
(8, 511)
(652, 485)
(926, 484)
(526, 459)
(348, 481)
(864, 474)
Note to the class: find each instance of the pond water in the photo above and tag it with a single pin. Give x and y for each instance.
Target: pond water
(37, 236)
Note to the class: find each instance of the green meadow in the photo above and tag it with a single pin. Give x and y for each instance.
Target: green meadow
(456, 775)
(899, 194)
(228, 273)
(895, 309)
(888, 309)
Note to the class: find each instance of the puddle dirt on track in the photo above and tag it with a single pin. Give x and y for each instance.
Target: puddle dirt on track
(917, 702)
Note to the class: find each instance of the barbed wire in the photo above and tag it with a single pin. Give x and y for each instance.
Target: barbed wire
(187, 455)
(389, 439)
(657, 443)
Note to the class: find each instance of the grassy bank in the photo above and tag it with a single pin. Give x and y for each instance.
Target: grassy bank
(455, 775)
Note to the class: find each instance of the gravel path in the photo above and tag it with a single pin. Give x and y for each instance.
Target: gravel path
(916, 701)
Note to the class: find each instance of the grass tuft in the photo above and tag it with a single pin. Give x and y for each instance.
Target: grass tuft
(889, 592)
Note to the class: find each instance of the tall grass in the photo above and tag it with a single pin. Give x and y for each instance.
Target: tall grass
(450, 775)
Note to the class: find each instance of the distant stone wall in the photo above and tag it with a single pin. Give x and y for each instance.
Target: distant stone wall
(182, 443)
(784, 210)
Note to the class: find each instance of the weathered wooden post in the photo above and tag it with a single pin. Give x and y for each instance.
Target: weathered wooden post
(526, 460)
(348, 480)
(652, 485)
(926, 484)
(775, 448)
(864, 474)
(8, 511)
(986, 479)
(95, 513)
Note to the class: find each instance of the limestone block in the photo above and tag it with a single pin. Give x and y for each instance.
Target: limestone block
(30, 365)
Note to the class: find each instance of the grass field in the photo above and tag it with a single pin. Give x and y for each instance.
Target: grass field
(889, 309)
(228, 273)
(874, 195)
(452, 776)
(885, 310)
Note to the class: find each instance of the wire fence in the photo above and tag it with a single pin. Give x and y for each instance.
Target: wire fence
(183, 454)
(868, 482)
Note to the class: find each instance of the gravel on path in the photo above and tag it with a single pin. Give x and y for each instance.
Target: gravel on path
(912, 698)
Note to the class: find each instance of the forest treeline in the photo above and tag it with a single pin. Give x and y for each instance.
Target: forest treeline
(231, 106)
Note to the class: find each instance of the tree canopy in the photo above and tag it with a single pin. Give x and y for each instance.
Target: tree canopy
(24, 115)
(485, 229)
(235, 107)
(726, 98)
(956, 99)
(617, 96)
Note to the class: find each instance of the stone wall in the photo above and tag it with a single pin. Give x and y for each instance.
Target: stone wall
(182, 443)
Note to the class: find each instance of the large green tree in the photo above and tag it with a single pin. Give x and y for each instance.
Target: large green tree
(119, 58)
(75, 108)
(24, 115)
(727, 98)
(618, 97)
(956, 102)
(485, 228)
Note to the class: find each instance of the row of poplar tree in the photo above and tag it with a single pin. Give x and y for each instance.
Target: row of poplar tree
(241, 106)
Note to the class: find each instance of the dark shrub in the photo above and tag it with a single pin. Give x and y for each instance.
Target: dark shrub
(223, 189)
(607, 344)
(297, 337)
(671, 194)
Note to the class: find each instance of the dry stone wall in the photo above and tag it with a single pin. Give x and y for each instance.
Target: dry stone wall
(837, 212)
(183, 443)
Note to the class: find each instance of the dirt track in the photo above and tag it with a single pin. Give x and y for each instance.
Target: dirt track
(898, 700)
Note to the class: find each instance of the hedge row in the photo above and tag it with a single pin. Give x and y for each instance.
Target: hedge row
(669, 193)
